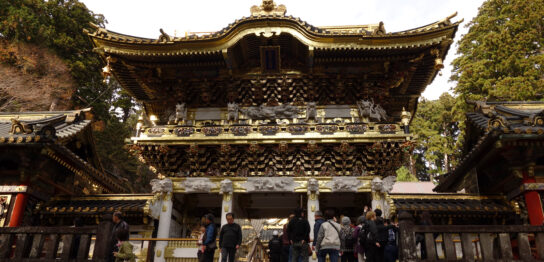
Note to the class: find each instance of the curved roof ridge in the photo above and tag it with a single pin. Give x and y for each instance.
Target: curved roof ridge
(103, 33)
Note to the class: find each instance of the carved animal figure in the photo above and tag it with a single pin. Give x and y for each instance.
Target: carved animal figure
(270, 112)
(383, 185)
(367, 109)
(226, 186)
(313, 185)
(164, 37)
(179, 115)
(311, 111)
(233, 109)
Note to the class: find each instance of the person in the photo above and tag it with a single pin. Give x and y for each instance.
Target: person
(363, 216)
(298, 230)
(199, 242)
(382, 234)
(286, 245)
(357, 233)
(371, 240)
(125, 252)
(208, 244)
(329, 241)
(391, 251)
(318, 221)
(119, 224)
(275, 247)
(348, 241)
(230, 238)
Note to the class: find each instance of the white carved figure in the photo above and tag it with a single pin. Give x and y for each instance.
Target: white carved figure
(313, 185)
(345, 184)
(179, 115)
(263, 112)
(311, 111)
(270, 184)
(226, 186)
(367, 109)
(383, 186)
(198, 185)
(161, 185)
(233, 109)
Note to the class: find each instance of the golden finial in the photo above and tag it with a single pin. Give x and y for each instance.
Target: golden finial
(268, 7)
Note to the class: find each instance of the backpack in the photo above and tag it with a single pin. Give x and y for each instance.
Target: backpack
(391, 237)
(366, 236)
(349, 241)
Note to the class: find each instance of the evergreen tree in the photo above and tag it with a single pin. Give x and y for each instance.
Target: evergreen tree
(436, 126)
(502, 55)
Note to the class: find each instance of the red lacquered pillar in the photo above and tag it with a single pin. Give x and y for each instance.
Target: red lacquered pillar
(18, 210)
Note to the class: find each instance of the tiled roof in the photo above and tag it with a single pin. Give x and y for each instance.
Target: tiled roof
(450, 203)
(98, 204)
(493, 120)
(32, 127)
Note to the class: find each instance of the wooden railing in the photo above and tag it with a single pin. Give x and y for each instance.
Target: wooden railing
(56, 243)
(469, 243)
(257, 252)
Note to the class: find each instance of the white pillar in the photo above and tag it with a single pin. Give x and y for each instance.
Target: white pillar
(313, 206)
(226, 189)
(163, 195)
(226, 207)
(380, 190)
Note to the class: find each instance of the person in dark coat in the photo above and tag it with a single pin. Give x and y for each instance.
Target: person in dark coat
(275, 247)
(318, 221)
(391, 250)
(208, 244)
(382, 233)
(230, 239)
(286, 245)
(371, 244)
(299, 236)
(119, 224)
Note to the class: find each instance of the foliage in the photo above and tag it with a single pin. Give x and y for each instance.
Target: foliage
(57, 26)
(436, 125)
(404, 175)
(502, 55)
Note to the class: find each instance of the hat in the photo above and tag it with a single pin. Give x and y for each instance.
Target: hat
(275, 233)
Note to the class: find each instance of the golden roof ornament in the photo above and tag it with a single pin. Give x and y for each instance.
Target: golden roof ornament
(268, 7)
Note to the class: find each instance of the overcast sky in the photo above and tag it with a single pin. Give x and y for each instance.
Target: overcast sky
(144, 18)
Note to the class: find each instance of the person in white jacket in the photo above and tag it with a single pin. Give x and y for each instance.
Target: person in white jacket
(329, 241)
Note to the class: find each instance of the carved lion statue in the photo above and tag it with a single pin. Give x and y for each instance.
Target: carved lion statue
(226, 186)
(313, 185)
(383, 186)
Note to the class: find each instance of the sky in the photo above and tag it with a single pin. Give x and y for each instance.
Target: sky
(144, 18)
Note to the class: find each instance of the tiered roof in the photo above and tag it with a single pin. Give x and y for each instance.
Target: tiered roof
(53, 131)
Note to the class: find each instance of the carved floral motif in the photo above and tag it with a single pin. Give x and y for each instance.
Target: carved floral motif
(269, 130)
(184, 131)
(356, 128)
(297, 129)
(326, 129)
(212, 130)
(240, 130)
(388, 128)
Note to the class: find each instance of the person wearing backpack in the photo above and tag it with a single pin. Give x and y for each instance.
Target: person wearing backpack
(391, 251)
(370, 238)
(329, 241)
(359, 245)
(348, 241)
